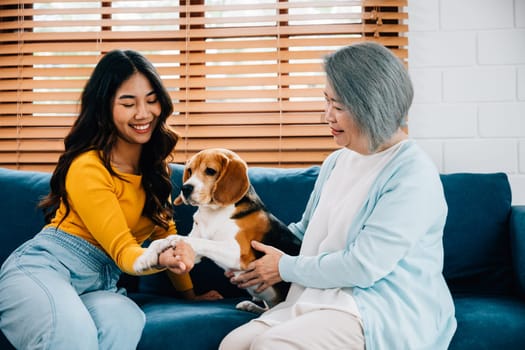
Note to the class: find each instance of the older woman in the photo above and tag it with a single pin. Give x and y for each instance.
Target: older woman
(369, 273)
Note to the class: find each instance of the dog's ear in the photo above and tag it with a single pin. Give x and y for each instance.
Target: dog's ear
(232, 183)
(186, 172)
(185, 177)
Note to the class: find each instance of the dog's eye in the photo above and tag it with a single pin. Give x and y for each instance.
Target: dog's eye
(189, 171)
(210, 171)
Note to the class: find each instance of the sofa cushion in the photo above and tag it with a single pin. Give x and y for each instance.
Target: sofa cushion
(285, 192)
(489, 323)
(476, 238)
(517, 239)
(21, 219)
(187, 324)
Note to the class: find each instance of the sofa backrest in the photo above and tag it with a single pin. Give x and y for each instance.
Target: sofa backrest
(20, 192)
(476, 238)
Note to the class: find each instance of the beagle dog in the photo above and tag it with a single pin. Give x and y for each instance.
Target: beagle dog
(229, 216)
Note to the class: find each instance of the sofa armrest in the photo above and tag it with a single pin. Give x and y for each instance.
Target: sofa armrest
(517, 237)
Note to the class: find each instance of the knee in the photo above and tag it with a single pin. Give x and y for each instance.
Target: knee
(118, 319)
(136, 320)
(241, 337)
(129, 328)
(271, 340)
(74, 330)
(122, 315)
(69, 332)
(59, 325)
(229, 343)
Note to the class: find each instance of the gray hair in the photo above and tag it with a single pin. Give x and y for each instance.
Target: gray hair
(374, 86)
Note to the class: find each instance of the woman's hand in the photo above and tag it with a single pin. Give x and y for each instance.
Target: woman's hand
(209, 295)
(263, 272)
(179, 259)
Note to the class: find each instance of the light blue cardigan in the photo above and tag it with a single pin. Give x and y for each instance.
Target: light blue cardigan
(394, 256)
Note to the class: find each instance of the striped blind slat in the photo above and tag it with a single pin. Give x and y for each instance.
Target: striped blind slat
(245, 75)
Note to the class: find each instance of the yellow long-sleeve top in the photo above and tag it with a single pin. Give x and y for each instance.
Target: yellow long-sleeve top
(107, 212)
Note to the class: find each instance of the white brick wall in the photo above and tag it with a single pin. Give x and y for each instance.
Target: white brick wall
(521, 83)
(479, 84)
(476, 14)
(520, 13)
(467, 62)
(502, 47)
(502, 120)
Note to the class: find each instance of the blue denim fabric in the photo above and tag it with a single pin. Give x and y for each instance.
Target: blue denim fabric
(57, 291)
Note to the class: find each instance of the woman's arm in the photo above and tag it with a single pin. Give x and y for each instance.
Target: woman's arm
(100, 217)
(407, 208)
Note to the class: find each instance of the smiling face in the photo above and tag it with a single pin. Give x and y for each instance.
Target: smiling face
(135, 110)
(342, 125)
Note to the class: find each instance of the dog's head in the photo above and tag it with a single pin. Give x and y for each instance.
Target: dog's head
(214, 177)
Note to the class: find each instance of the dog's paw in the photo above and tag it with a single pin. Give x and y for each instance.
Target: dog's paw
(150, 257)
(146, 261)
(250, 306)
(174, 239)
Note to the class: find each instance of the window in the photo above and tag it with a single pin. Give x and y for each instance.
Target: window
(244, 75)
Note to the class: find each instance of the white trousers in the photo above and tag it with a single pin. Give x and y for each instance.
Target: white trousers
(316, 330)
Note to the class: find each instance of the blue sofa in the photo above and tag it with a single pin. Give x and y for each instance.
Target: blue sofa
(484, 259)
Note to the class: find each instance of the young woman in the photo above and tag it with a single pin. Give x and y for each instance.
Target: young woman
(369, 274)
(109, 193)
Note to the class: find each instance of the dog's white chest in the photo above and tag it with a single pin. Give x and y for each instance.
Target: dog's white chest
(214, 224)
(213, 236)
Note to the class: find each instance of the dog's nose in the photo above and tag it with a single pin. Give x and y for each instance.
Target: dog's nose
(187, 190)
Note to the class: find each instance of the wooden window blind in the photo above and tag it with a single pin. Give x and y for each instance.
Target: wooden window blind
(244, 75)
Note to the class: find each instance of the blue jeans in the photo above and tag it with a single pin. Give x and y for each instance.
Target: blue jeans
(57, 291)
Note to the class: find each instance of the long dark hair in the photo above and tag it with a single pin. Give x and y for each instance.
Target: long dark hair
(94, 129)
